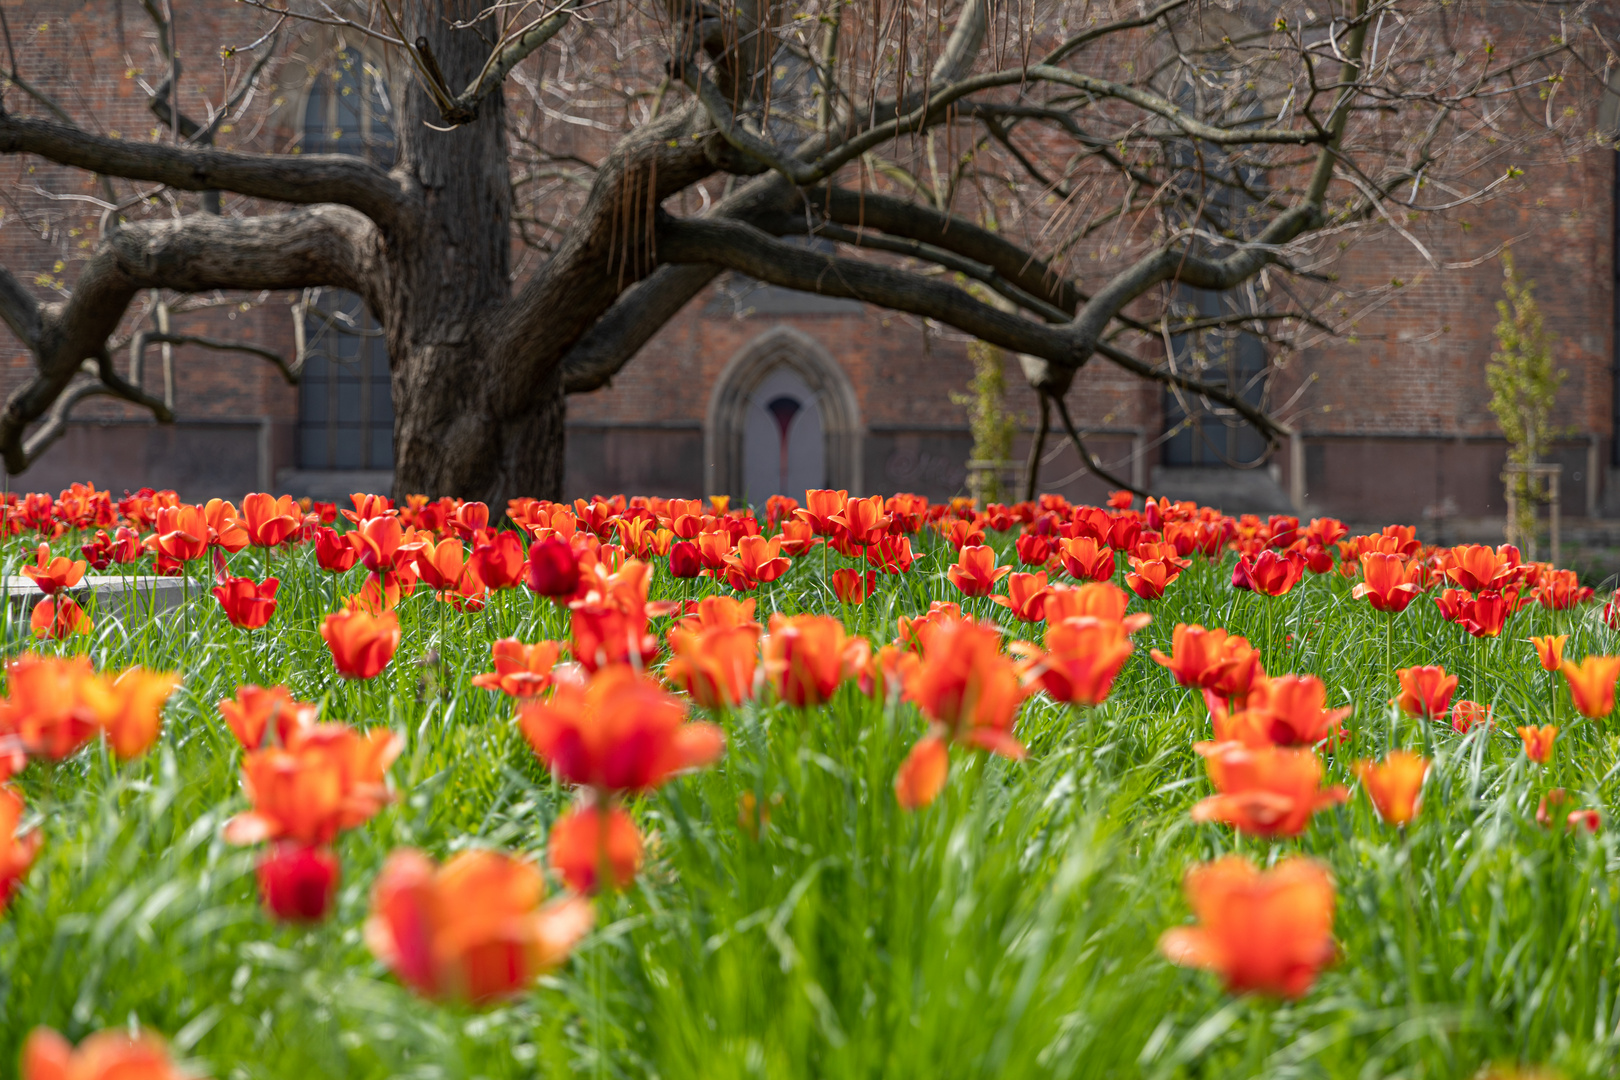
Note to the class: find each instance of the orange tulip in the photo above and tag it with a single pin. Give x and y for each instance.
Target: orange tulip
(129, 708)
(247, 603)
(473, 929)
(804, 657)
(1591, 684)
(891, 554)
(1425, 691)
(975, 571)
(852, 586)
(1550, 650)
(377, 541)
(1026, 596)
(864, 519)
(114, 1054)
(755, 562)
(441, 565)
(327, 777)
(1394, 784)
(1465, 715)
(499, 563)
(52, 575)
(1476, 567)
(270, 521)
(1268, 791)
(1293, 707)
(1488, 613)
(47, 709)
(225, 529)
(716, 664)
(58, 617)
(1387, 582)
(1086, 559)
(961, 533)
(1268, 931)
(609, 625)
(257, 710)
(1102, 600)
(1561, 590)
(585, 841)
(522, 671)
(719, 610)
(922, 774)
(182, 532)
(622, 732)
(966, 687)
(1198, 657)
(1538, 742)
(1082, 657)
(798, 537)
(16, 852)
(361, 643)
(820, 508)
(1148, 578)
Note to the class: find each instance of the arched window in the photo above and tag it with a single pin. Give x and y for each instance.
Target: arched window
(782, 418)
(345, 398)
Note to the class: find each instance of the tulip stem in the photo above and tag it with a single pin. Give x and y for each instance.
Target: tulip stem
(1259, 1037)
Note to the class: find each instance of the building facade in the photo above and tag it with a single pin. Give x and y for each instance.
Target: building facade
(753, 389)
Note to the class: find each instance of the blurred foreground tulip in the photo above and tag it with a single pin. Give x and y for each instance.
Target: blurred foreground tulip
(129, 708)
(1591, 684)
(16, 852)
(521, 671)
(1082, 657)
(1294, 707)
(297, 882)
(1267, 791)
(257, 710)
(1394, 784)
(473, 929)
(588, 845)
(1263, 931)
(715, 664)
(1538, 742)
(328, 777)
(114, 1054)
(804, 657)
(361, 644)
(622, 732)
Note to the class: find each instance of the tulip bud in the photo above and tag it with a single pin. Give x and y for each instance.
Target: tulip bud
(553, 568)
(685, 560)
(298, 883)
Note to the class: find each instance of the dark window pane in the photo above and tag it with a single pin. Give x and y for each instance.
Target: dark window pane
(313, 452)
(348, 401)
(313, 401)
(348, 449)
(382, 448)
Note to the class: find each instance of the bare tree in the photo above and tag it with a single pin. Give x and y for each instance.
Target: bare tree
(1052, 176)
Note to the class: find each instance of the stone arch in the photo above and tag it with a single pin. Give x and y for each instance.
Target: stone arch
(782, 349)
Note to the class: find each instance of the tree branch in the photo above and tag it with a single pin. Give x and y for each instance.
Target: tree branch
(143, 338)
(288, 178)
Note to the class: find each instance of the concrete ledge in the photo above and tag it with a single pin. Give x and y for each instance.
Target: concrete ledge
(109, 593)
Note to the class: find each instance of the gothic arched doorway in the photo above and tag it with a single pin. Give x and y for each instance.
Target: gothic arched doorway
(782, 418)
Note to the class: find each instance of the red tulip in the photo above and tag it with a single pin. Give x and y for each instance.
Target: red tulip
(1425, 691)
(107, 1055)
(1267, 791)
(804, 657)
(1268, 573)
(1086, 559)
(1198, 657)
(258, 710)
(684, 560)
(585, 841)
(554, 568)
(1388, 584)
(333, 551)
(58, 617)
(270, 521)
(298, 883)
(1538, 742)
(1466, 715)
(247, 603)
(499, 563)
(1550, 650)
(1026, 596)
(52, 575)
(16, 852)
(853, 587)
(378, 540)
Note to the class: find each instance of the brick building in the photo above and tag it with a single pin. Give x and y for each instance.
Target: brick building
(753, 388)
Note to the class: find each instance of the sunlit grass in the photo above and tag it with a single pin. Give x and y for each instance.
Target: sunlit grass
(1008, 930)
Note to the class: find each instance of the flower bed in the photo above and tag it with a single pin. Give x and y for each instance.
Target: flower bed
(863, 786)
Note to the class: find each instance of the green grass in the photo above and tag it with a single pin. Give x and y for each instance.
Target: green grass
(1009, 930)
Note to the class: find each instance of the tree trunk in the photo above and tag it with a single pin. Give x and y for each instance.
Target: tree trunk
(449, 279)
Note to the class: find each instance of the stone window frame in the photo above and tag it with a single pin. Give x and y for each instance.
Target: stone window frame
(723, 426)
